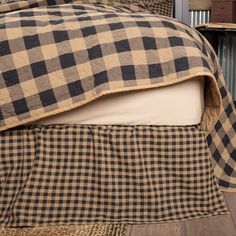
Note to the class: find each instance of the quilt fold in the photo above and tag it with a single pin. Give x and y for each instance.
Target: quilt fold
(60, 57)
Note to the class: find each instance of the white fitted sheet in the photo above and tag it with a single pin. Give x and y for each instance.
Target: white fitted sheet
(178, 104)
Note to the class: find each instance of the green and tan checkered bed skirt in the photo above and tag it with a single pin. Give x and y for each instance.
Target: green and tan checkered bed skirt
(57, 57)
(82, 174)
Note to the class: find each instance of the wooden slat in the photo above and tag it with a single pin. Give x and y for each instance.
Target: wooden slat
(231, 201)
(222, 225)
(168, 229)
(200, 5)
(211, 226)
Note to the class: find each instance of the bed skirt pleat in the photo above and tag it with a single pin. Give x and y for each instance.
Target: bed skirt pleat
(87, 174)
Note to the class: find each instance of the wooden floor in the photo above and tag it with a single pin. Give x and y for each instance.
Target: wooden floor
(224, 225)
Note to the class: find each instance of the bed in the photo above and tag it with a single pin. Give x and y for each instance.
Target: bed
(176, 105)
(110, 114)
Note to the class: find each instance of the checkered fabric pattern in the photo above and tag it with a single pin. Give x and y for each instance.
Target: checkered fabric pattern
(68, 230)
(162, 7)
(8, 1)
(62, 56)
(105, 174)
(222, 139)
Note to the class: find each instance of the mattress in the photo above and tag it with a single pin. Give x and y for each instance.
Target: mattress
(178, 104)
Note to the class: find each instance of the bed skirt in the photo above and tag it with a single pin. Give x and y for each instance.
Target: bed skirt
(86, 174)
